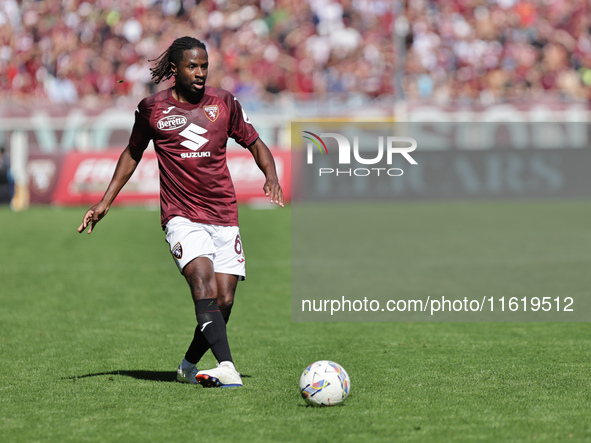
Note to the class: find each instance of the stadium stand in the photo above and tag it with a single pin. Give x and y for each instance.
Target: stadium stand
(272, 52)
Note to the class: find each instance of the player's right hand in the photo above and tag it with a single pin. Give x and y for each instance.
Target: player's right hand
(92, 217)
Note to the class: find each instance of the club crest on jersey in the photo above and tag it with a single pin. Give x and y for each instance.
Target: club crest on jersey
(171, 122)
(177, 251)
(211, 112)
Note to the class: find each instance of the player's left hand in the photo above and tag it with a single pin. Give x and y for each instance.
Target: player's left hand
(273, 190)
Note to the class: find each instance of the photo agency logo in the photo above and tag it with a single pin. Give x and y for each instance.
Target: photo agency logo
(364, 161)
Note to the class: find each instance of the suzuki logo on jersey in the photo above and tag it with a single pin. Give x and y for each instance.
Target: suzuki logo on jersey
(171, 122)
(194, 139)
(195, 154)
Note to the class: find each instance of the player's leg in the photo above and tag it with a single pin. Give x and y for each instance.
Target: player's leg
(201, 278)
(226, 292)
(201, 286)
(229, 269)
(187, 370)
(193, 250)
(199, 346)
(224, 375)
(229, 265)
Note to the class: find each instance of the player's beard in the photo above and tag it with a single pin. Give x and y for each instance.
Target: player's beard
(188, 93)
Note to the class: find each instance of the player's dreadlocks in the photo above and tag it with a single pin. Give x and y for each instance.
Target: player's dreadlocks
(162, 70)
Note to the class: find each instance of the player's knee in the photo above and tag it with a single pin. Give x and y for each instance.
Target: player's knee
(202, 287)
(225, 304)
(201, 278)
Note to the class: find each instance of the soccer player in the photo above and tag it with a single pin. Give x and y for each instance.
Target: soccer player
(190, 125)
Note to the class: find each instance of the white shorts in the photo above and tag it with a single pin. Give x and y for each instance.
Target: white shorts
(221, 244)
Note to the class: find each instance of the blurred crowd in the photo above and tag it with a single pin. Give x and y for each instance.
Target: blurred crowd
(489, 51)
(484, 51)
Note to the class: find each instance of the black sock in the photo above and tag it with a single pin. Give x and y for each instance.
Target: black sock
(199, 345)
(197, 348)
(213, 327)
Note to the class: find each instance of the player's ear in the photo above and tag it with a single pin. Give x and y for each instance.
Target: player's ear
(173, 68)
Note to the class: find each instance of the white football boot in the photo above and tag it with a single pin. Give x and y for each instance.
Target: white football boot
(187, 374)
(224, 376)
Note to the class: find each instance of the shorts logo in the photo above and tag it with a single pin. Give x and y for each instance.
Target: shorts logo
(177, 251)
(171, 122)
(211, 112)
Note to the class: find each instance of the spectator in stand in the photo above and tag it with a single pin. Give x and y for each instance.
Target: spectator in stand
(490, 51)
(469, 50)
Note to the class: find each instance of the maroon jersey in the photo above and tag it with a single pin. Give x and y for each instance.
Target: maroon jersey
(190, 143)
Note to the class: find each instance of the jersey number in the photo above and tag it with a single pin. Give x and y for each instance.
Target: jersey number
(193, 135)
(238, 245)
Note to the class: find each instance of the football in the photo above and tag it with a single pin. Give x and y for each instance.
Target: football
(325, 383)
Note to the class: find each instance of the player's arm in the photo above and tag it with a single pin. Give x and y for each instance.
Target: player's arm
(264, 160)
(128, 161)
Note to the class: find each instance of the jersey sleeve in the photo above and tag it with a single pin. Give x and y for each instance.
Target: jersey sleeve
(142, 132)
(240, 128)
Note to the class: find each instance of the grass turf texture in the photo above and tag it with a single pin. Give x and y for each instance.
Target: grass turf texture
(93, 327)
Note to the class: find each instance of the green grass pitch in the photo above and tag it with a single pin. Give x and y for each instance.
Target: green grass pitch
(93, 327)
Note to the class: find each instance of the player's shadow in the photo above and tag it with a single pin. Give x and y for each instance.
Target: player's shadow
(166, 376)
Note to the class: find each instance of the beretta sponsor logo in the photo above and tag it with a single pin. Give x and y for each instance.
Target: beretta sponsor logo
(171, 122)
